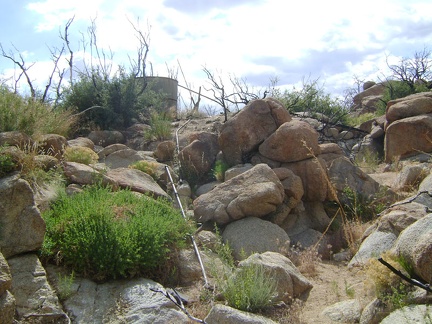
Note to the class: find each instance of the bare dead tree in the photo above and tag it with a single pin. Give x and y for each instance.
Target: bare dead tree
(56, 55)
(241, 94)
(139, 65)
(65, 38)
(195, 102)
(218, 90)
(104, 59)
(350, 93)
(21, 65)
(413, 70)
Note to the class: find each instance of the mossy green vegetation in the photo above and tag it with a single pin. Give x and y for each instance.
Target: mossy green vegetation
(105, 235)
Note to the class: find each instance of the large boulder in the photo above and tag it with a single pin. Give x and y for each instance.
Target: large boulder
(7, 307)
(124, 158)
(408, 136)
(107, 150)
(410, 106)
(253, 235)
(343, 173)
(375, 90)
(22, 228)
(16, 138)
(197, 158)
(5, 276)
(313, 173)
(105, 137)
(52, 144)
(290, 282)
(7, 300)
(228, 315)
(399, 216)
(372, 247)
(35, 298)
(81, 142)
(414, 244)
(189, 267)
(292, 141)
(136, 180)
(411, 176)
(420, 314)
(292, 184)
(347, 311)
(165, 151)
(256, 192)
(132, 301)
(242, 134)
(86, 175)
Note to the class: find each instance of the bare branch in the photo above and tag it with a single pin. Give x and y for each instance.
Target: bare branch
(139, 65)
(55, 59)
(65, 38)
(22, 65)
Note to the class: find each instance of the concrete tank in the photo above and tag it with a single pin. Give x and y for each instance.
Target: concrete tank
(164, 85)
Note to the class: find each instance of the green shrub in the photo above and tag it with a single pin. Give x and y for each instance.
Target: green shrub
(389, 287)
(7, 163)
(65, 286)
(360, 208)
(398, 89)
(355, 121)
(312, 99)
(160, 126)
(79, 154)
(148, 167)
(219, 170)
(102, 234)
(32, 117)
(250, 288)
(117, 100)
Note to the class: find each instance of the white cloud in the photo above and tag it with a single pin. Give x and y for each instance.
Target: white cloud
(259, 39)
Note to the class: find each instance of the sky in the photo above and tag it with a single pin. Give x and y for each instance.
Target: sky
(334, 41)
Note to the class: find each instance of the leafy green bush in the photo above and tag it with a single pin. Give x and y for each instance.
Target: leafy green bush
(102, 234)
(389, 287)
(398, 89)
(79, 154)
(312, 99)
(250, 288)
(115, 101)
(32, 117)
(361, 208)
(355, 121)
(160, 126)
(148, 167)
(219, 170)
(7, 163)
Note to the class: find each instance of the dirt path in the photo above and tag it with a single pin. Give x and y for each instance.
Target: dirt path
(334, 283)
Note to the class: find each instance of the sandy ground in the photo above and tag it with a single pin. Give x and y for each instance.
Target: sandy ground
(334, 283)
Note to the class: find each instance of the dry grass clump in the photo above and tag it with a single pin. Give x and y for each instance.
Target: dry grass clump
(306, 260)
(382, 278)
(388, 286)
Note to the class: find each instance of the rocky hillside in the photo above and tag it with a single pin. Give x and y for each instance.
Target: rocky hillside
(267, 180)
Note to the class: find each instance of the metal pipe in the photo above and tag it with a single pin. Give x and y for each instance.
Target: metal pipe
(176, 135)
(191, 236)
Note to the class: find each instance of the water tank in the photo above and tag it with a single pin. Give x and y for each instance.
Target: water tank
(167, 86)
